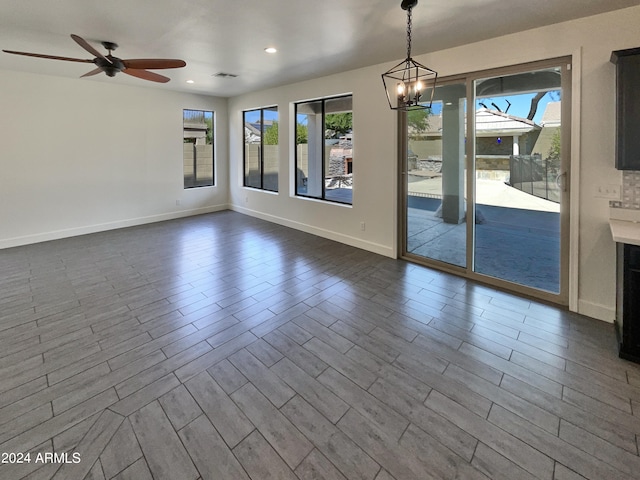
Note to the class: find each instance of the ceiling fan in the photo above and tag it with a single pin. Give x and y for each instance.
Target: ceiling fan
(112, 65)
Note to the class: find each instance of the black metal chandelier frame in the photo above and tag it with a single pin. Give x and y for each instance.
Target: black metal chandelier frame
(407, 83)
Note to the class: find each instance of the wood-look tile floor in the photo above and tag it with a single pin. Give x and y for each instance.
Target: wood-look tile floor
(225, 347)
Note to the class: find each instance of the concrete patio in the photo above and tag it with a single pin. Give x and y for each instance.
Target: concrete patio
(515, 244)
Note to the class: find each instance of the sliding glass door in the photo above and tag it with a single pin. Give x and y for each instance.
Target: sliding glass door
(484, 178)
(435, 178)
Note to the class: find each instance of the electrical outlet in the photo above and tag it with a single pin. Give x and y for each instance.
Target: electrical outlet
(178, 203)
(362, 226)
(612, 192)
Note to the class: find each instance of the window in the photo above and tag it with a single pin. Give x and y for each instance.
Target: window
(261, 148)
(324, 149)
(197, 148)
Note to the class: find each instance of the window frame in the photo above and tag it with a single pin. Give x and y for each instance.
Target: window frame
(261, 154)
(323, 101)
(213, 150)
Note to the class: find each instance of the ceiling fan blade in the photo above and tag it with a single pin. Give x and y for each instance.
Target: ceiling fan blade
(84, 44)
(154, 77)
(52, 57)
(95, 71)
(153, 63)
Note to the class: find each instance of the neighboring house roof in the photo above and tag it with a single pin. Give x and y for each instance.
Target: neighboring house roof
(551, 116)
(251, 128)
(250, 137)
(265, 125)
(489, 123)
(194, 129)
(550, 125)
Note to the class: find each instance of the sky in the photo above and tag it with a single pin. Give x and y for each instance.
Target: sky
(520, 104)
(253, 116)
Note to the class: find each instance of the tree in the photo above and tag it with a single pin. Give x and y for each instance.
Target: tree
(418, 119)
(534, 104)
(209, 121)
(301, 133)
(271, 134)
(340, 123)
(554, 149)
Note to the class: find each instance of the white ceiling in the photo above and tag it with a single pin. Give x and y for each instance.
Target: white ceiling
(314, 38)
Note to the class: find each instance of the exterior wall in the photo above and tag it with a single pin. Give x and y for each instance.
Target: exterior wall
(590, 42)
(252, 166)
(426, 148)
(204, 159)
(96, 156)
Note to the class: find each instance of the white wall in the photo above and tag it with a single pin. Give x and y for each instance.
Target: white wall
(590, 41)
(374, 164)
(79, 156)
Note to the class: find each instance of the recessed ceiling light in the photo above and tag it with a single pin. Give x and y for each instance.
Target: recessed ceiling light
(190, 81)
(271, 50)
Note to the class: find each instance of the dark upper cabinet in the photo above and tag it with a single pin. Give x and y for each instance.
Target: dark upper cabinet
(627, 108)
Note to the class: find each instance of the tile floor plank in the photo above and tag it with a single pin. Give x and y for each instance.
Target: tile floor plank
(366, 404)
(91, 446)
(497, 467)
(209, 452)
(553, 446)
(314, 392)
(231, 423)
(513, 403)
(163, 450)
(121, 452)
(317, 467)
(302, 357)
(227, 376)
(290, 444)
(180, 407)
(145, 395)
(385, 450)
(346, 455)
(261, 461)
(271, 386)
(507, 445)
(435, 425)
(343, 364)
(137, 471)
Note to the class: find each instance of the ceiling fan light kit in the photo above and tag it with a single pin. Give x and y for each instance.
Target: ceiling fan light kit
(409, 85)
(111, 65)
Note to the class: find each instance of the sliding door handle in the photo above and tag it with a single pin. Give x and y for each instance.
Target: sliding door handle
(561, 181)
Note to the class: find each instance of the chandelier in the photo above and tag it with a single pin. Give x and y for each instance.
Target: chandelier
(409, 85)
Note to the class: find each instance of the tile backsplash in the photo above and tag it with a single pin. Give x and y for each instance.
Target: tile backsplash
(630, 191)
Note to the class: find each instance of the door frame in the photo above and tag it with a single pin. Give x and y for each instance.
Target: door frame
(568, 222)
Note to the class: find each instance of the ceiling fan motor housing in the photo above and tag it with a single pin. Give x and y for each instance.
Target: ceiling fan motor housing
(110, 65)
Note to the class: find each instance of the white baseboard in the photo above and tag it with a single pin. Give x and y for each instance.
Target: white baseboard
(599, 312)
(102, 227)
(321, 232)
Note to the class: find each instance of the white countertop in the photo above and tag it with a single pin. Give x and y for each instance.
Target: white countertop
(624, 231)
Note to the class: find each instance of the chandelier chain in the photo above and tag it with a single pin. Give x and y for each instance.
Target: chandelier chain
(409, 32)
